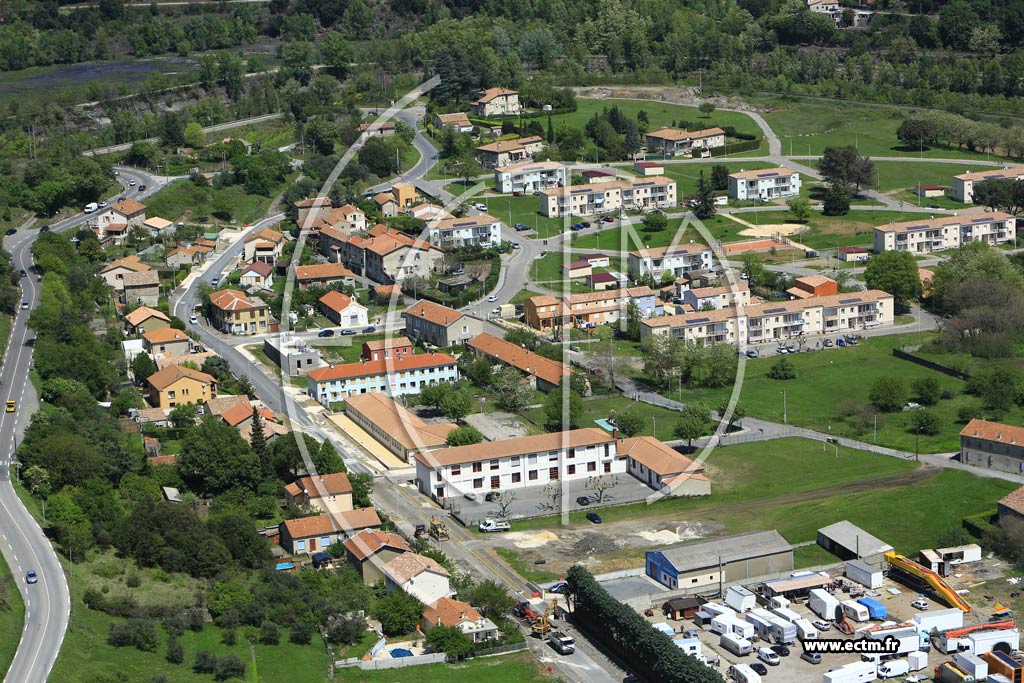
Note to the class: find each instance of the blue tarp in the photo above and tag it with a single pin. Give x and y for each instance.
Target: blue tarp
(875, 609)
(400, 652)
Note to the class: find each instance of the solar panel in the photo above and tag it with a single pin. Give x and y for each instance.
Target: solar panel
(699, 320)
(767, 175)
(855, 300)
(981, 220)
(775, 310)
(918, 227)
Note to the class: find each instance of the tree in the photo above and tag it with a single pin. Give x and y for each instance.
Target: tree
(183, 415)
(720, 177)
(837, 201)
(926, 390)
(229, 666)
(464, 436)
(362, 487)
(888, 394)
(924, 422)
(512, 391)
(449, 640)
(301, 633)
(456, 404)
(630, 422)
(503, 502)
(704, 203)
(895, 272)
(143, 367)
(491, 599)
(800, 208)
(738, 412)
(753, 267)
(258, 438)
(559, 416)
(844, 167)
(915, 131)
(194, 135)
(398, 612)
(632, 142)
(553, 492)
(782, 369)
(175, 652)
(601, 485)
(655, 221)
(707, 109)
(693, 423)
(215, 458)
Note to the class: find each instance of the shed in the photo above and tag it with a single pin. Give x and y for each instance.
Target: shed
(797, 586)
(682, 607)
(720, 560)
(864, 574)
(849, 542)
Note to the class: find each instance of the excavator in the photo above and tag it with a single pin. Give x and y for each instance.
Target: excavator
(542, 624)
(438, 529)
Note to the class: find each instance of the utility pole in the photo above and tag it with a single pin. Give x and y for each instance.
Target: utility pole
(785, 413)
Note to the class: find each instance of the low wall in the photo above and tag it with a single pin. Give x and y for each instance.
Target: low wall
(931, 365)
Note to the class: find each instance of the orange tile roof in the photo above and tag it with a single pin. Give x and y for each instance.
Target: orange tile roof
(390, 343)
(261, 268)
(432, 312)
(656, 456)
(323, 525)
(144, 313)
(409, 565)
(380, 367)
(145, 278)
(161, 379)
(239, 413)
(368, 542)
(676, 134)
(522, 445)
(322, 271)
(944, 221)
(551, 371)
(1014, 500)
(234, 300)
(992, 174)
(221, 404)
(331, 484)
(994, 431)
(270, 430)
(162, 459)
(456, 119)
(128, 207)
(382, 198)
(485, 96)
(165, 335)
(336, 301)
(266, 235)
(129, 262)
(449, 612)
(401, 424)
(315, 201)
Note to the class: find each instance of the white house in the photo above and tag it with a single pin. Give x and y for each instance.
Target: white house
(945, 232)
(678, 259)
(529, 177)
(497, 102)
(419, 576)
(461, 615)
(394, 376)
(963, 184)
(452, 233)
(764, 184)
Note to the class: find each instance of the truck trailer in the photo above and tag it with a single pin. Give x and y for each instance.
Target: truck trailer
(740, 647)
(805, 630)
(947, 672)
(740, 599)
(823, 604)
(857, 672)
(742, 673)
(972, 664)
(786, 614)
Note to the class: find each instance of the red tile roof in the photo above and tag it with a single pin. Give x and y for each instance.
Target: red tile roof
(551, 371)
(336, 301)
(431, 312)
(449, 612)
(1014, 500)
(409, 565)
(161, 379)
(237, 414)
(323, 271)
(322, 485)
(144, 313)
(380, 367)
(234, 300)
(368, 542)
(128, 207)
(994, 431)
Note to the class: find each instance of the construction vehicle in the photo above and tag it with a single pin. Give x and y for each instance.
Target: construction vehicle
(840, 621)
(438, 529)
(524, 611)
(542, 625)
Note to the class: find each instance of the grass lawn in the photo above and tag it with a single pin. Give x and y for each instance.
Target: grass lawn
(828, 232)
(525, 210)
(524, 569)
(12, 615)
(943, 202)
(344, 349)
(184, 197)
(632, 237)
(549, 268)
(659, 114)
(687, 175)
(815, 400)
(522, 296)
(806, 126)
(894, 175)
(520, 667)
(598, 408)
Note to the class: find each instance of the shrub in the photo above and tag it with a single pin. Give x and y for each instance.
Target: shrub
(888, 394)
(925, 422)
(782, 369)
(269, 633)
(229, 666)
(175, 652)
(205, 662)
(926, 390)
(301, 633)
(229, 636)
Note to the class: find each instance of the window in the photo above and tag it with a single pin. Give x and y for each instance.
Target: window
(456, 470)
(440, 477)
(591, 467)
(494, 465)
(495, 483)
(515, 461)
(325, 541)
(300, 546)
(570, 469)
(533, 475)
(478, 467)
(571, 453)
(517, 477)
(607, 467)
(553, 473)
(478, 483)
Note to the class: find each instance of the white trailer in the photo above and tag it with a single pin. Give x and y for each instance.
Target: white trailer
(805, 630)
(761, 621)
(741, 673)
(864, 574)
(769, 627)
(981, 642)
(740, 647)
(917, 660)
(856, 611)
(778, 602)
(740, 599)
(972, 664)
(690, 646)
(907, 636)
(824, 604)
(893, 668)
(857, 672)
(786, 614)
(782, 631)
(716, 608)
(725, 623)
(938, 621)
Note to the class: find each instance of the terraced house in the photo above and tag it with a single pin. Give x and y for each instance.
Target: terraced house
(673, 142)
(546, 312)
(439, 325)
(945, 232)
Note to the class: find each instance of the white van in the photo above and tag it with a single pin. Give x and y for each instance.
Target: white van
(91, 206)
(768, 656)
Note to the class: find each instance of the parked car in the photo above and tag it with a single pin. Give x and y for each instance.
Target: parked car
(479, 206)
(827, 343)
(821, 625)
(369, 329)
(517, 193)
(585, 224)
(920, 604)
(840, 342)
(751, 353)
(812, 657)
(470, 495)
(557, 587)
(215, 281)
(492, 298)
(348, 332)
(768, 656)
(515, 245)
(31, 576)
(759, 668)
(780, 650)
(45, 228)
(102, 204)
(325, 333)
(583, 500)
(608, 219)
(594, 517)
(520, 227)
(11, 231)
(782, 350)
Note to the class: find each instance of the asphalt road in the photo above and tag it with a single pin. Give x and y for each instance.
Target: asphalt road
(22, 541)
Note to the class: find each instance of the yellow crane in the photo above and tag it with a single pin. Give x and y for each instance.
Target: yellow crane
(542, 624)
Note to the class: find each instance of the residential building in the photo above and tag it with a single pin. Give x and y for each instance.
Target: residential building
(963, 184)
(346, 218)
(391, 258)
(457, 121)
(452, 233)
(430, 212)
(518, 462)
(127, 213)
(259, 274)
(993, 445)
(714, 298)
(439, 325)
(611, 196)
(293, 355)
(382, 129)
(810, 286)
(496, 102)
(673, 142)
(764, 184)
(369, 550)
(600, 282)
(399, 430)
(183, 256)
(945, 232)
(589, 310)
(829, 8)
(405, 194)
(529, 177)
(419, 576)
(451, 613)
(176, 385)
(114, 272)
(232, 312)
(509, 152)
(167, 342)
(396, 377)
(853, 254)
(141, 288)
(649, 168)
(663, 468)
(145, 319)
(390, 347)
(310, 210)
(264, 245)
(777, 320)
(543, 373)
(577, 269)
(327, 492)
(323, 275)
(308, 535)
(241, 415)
(1011, 508)
(676, 259)
(221, 404)
(700, 565)
(386, 204)
(157, 225)
(342, 310)
(929, 191)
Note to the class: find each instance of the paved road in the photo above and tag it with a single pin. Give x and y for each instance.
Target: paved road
(22, 541)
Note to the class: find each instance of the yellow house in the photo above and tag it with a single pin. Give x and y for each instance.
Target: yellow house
(405, 194)
(176, 385)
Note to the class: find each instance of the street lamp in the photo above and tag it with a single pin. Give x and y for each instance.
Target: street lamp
(785, 412)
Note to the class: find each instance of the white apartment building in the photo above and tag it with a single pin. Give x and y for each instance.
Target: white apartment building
(945, 232)
(715, 298)
(677, 259)
(529, 177)
(963, 184)
(394, 377)
(452, 233)
(777, 320)
(670, 142)
(764, 184)
(595, 198)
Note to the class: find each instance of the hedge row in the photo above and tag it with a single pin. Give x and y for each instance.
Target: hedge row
(736, 147)
(646, 651)
(980, 526)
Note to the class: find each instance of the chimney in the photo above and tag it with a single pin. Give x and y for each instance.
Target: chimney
(615, 433)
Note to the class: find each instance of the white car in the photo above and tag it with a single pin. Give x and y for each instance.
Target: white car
(492, 298)
(920, 604)
(767, 656)
(24, 305)
(480, 207)
(193, 319)
(131, 183)
(821, 625)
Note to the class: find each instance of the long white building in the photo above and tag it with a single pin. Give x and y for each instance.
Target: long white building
(764, 184)
(529, 177)
(945, 232)
(587, 200)
(452, 233)
(963, 184)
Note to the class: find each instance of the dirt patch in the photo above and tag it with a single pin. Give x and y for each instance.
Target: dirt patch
(663, 537)
(596, 544)
(527, 540)
(687, 96)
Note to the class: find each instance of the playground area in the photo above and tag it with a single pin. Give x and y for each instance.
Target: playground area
(764, 238)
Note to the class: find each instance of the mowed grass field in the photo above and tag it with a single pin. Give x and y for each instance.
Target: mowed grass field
(520, 667)
(659, 114)
(687, 175)
(634, 237)
(828, 232)
(598, 408)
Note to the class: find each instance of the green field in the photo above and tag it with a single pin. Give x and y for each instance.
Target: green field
(687, 175)
(806, 126)
(611, 239)
(828, 232)
(12, 615)
(184, 199)
(525, 210)
(659, 114)
(833, 381)
(598, 408)
(515, 668)
(943, 202)
(549, 268)
(895, 175)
